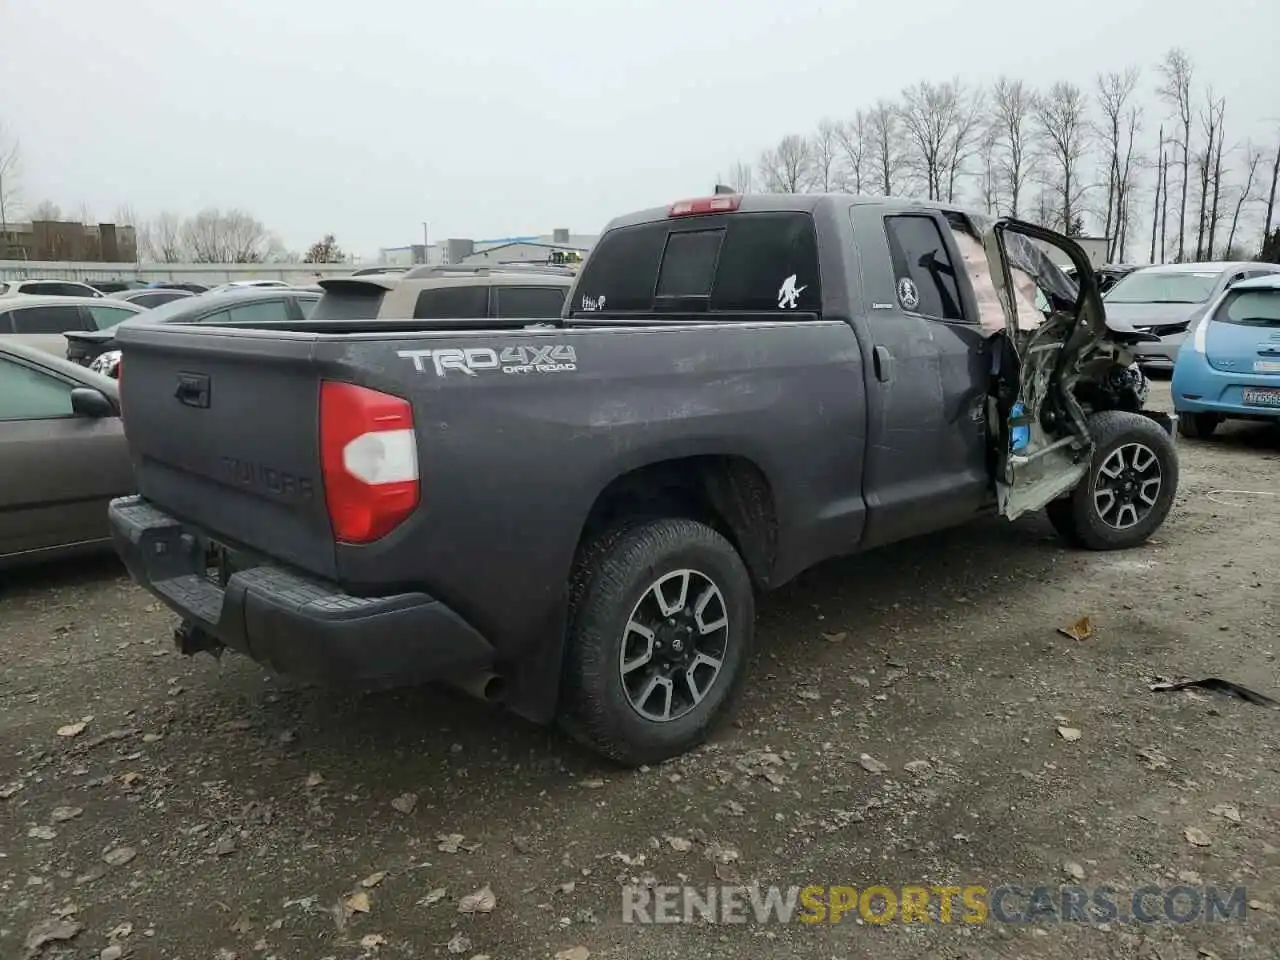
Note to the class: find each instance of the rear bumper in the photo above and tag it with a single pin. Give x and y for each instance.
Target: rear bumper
(295, 625)
(1200, 388)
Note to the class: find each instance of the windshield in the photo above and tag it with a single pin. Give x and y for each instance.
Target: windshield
(1250, 308)
(1164, 286)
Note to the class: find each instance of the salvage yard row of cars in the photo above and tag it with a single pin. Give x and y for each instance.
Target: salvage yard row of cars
(730, 390)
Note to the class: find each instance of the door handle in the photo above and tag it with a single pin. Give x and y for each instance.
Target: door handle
(883, 361)
(193, 390)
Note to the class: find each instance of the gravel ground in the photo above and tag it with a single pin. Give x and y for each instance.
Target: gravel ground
(158, 806)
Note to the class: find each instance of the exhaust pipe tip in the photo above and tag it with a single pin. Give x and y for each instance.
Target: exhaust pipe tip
(486, 686)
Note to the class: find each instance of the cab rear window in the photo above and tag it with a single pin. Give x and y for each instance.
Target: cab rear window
(736, 263)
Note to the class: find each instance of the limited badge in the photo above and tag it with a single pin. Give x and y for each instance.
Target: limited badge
(908, 295)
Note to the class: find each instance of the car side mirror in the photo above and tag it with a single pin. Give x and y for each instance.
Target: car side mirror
(88, 402)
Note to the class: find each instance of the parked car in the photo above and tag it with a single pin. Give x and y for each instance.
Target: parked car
(240, 284)
(150, 297)
(448, 292)
(109, 287)
(47, 288)
(1229, 367)
(178, 285)
(1164, 301)
(572, 515)
(44, 322)
(63, 456)
(98, 348)
(366, 271)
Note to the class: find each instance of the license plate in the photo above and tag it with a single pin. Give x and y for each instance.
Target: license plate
(1266, 366)
(1262, 396)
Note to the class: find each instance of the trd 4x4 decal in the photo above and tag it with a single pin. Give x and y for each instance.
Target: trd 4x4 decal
(472, 361)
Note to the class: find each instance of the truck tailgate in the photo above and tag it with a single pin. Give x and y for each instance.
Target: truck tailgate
(223, 431)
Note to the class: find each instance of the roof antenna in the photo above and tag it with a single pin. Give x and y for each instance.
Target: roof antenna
(724, 188)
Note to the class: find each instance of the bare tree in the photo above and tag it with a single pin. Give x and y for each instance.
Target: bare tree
(10, 157)
(1126, 182)
(1063, 126)
(324, 250)
(1114, 92)
(1176, 71)
(125, 216)
(1211, 120)
(46, 210)
(161, 240)
(235, 236)
(1271, 196)
(788, 167)
(853, 138)
(885, 147)
(825, 153)
(1155, 203)
(928, 115)
(1217, 180)
(739, 177)
(1252, 160)
(1014, 106)
(965, 135)
(991, 182)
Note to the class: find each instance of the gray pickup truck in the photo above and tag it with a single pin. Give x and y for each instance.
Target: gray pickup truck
(574, 515)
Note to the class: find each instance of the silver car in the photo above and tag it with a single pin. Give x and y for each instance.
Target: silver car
(1164, 301)
(41, 321)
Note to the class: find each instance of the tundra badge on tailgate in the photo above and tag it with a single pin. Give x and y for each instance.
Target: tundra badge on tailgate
(555, 358)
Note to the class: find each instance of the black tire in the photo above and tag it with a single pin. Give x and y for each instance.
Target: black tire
(1078, 517)
(613, 580)
(1198, 426)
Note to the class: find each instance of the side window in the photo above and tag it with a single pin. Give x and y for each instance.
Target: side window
(31, 395)
(149, 300)
(267, 311)
(768, 264)
(107, 317)
(214, 319)
(452, 303)
(54, 289)
(42, 289)
(306, 305)
(529, 302)
(57, 319)
(924, 276)
(622, 271)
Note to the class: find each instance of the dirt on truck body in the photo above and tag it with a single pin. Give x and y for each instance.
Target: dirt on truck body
(574, 514)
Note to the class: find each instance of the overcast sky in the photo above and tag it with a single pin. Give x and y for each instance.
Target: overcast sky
(490, 118)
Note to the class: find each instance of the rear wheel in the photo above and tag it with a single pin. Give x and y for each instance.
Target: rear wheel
(1129, 489)
(1198, 426)
(661, 623)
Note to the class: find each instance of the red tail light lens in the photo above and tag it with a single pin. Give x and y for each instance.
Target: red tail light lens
(368, 459)
(720, 203)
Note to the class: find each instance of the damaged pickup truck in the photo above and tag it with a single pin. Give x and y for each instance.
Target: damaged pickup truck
(574, 515)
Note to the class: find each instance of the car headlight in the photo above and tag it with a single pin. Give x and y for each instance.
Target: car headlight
(106, 363)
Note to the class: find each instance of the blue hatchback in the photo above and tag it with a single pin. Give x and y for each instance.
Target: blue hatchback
(1229, 368)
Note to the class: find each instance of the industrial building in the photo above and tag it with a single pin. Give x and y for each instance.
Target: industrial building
(69, 240)
(556, 246)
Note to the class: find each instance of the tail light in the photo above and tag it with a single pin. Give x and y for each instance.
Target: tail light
(368, 459)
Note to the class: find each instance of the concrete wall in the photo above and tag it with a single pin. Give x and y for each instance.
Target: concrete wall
(210, 274)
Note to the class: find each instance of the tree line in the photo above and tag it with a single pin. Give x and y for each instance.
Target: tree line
(1161, 180)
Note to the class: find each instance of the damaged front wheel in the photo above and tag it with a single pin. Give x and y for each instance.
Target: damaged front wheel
(1129, 489)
